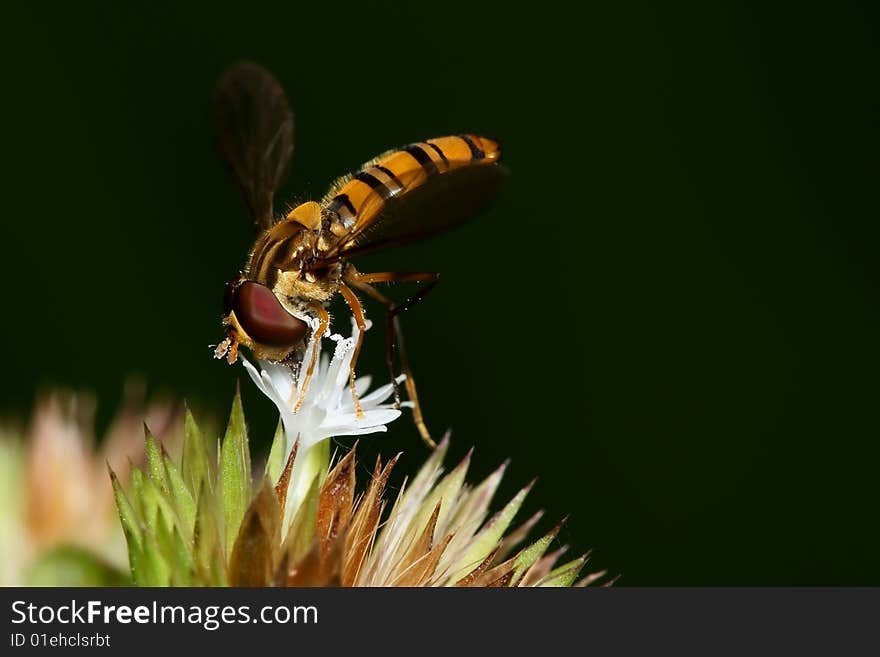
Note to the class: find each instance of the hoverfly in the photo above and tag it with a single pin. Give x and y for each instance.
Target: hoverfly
(301, 259)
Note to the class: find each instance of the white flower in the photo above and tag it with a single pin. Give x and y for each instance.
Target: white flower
(327, 408)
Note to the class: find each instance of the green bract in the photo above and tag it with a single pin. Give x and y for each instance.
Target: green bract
(208, 520)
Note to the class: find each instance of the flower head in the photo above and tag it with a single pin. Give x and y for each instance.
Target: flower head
(57, 515)
(327, 407)
(321, 408)
(206, 521)
(439, 532)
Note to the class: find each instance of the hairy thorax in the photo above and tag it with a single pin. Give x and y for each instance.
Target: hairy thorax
(281, 260)
(299, 285)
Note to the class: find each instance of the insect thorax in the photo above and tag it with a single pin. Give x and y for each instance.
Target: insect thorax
(303, 287)
(284, 247)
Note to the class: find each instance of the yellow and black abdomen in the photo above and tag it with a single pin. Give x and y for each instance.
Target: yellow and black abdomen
(355, 201)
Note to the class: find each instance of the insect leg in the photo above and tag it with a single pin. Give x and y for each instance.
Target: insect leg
(358, 312)
(394, 331)
(316, 338)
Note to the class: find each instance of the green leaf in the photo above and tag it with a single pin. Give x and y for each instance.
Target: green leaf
(171, 493)
(137, 560)
(208, 553)
(137, 491)
(565, 574)
(444, 492)
(131, 524)
(184, 503)
(427, 474)
(490, 535)
(174, 553)
(195, 465)
(532, 553)
(235, 472)
(475, 503)
(155, 462)
(157, 508)
(275, 464)
(154, 570)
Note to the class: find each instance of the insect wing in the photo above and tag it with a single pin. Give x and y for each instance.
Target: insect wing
(440, 203)
(254, 130)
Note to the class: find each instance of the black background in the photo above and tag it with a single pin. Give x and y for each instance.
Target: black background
(670, 317)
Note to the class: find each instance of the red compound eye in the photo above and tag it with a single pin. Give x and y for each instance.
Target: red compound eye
(263, 317)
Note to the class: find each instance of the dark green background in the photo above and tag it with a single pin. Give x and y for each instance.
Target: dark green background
(670, 317)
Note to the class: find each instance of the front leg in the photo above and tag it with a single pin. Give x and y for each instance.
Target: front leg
(316, 339)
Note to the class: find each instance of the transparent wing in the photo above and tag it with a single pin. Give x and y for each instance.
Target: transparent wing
(440, 203)
(254, 129)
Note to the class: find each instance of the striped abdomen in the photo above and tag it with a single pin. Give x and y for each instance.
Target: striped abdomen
(353, 202)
